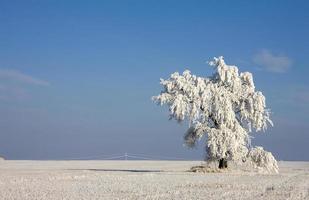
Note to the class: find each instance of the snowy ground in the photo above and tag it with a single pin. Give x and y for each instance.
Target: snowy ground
(145, 180)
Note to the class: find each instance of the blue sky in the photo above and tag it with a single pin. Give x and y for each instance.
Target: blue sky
(76, 77)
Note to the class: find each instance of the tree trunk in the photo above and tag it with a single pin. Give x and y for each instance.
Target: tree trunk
(222, 163)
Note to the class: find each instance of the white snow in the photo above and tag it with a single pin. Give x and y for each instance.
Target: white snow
(77, 180)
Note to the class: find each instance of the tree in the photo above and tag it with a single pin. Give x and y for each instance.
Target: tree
(225, 108)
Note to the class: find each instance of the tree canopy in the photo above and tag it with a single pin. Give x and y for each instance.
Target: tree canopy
(224, 106)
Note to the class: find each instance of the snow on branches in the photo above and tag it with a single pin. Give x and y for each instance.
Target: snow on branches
(225, 107)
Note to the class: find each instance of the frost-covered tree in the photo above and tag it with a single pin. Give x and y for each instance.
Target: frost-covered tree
(225, 108)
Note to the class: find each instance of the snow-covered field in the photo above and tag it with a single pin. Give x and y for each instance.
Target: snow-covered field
(145, 180)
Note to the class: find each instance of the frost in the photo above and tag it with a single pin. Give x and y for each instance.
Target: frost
(263, 160)
(224, 107)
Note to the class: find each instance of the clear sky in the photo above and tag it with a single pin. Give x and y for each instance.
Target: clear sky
(76, 77)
